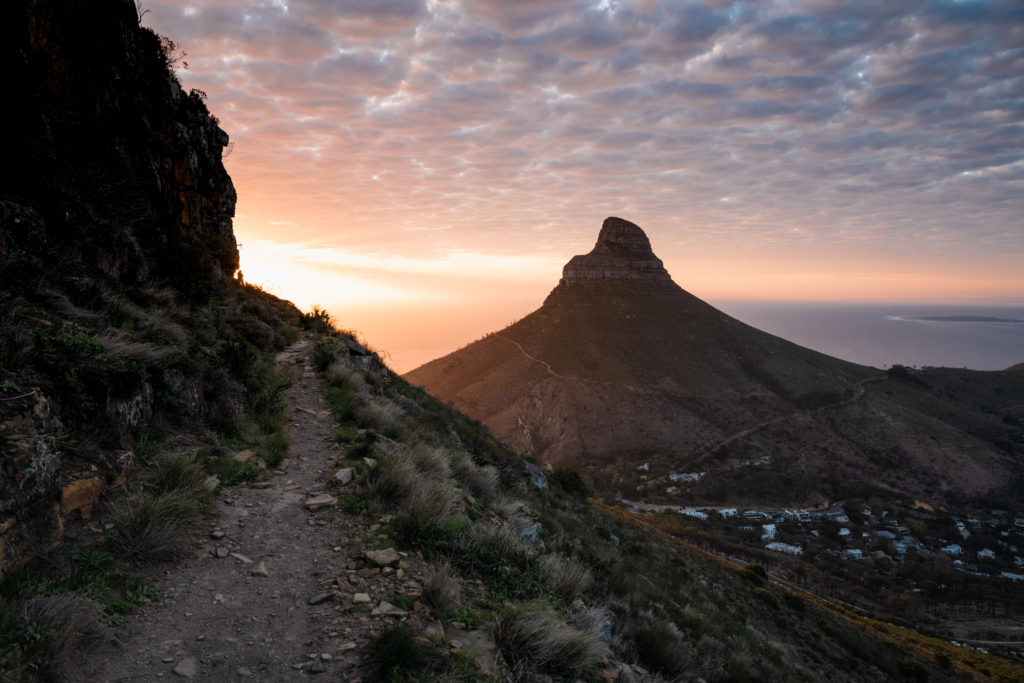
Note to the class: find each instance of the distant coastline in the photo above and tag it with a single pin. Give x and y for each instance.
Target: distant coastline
(978, 337)
(959, 319)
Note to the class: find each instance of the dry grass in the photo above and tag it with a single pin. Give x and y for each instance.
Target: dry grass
(431, 462)
(512, 512)
(481, 482)
(343, 373)
(532, 638)
(507, 539)
(150, 529)
(567, 576)
(395, 476)
(378, 414)
(442, 588)
(425, 508)
(121, 345)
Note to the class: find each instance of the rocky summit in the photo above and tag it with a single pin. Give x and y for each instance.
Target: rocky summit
(622, 252)
(623, 369)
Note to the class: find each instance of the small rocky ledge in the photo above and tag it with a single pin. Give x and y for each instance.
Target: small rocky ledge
(622, 252)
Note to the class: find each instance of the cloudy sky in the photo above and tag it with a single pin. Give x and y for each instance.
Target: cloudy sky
(424, 168)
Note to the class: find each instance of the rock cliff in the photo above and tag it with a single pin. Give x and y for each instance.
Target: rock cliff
(622, 252)
(118, 311)
(109, 162)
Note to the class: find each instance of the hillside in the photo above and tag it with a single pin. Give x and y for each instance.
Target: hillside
(198, 481)
(621, 368)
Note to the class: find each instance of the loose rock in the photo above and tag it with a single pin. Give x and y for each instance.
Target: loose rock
(186, 668)
(321, 501)
(383, 558)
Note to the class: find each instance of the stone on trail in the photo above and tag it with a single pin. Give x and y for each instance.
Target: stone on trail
(385, 608)
(323, 500)
(186, 668)
(344, 475)
(241, 558)
(361, 598)
(260, 570)
(383, 558)
(323, 597)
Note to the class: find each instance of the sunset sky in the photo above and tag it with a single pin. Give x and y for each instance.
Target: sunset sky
(424, 168)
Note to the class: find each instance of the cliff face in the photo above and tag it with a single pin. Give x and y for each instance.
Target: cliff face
(109, 162)
(117, 307)
(622, 252)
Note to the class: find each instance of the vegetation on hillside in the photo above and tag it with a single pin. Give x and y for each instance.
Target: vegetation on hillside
(565, 587)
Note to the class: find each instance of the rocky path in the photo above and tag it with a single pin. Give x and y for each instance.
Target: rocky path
(857, 394)
(277, 589)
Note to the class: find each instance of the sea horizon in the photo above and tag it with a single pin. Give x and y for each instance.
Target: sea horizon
(885, 334)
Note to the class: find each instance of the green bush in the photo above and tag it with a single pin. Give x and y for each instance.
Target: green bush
(397, 655)
(659, 647)
(570, 481)
(231, 472)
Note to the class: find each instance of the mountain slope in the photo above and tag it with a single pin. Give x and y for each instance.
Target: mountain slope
(621, 367)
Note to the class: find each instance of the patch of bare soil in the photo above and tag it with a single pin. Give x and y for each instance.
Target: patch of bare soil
(278, 588)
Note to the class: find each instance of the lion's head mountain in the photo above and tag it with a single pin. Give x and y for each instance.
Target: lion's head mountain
(628, 377)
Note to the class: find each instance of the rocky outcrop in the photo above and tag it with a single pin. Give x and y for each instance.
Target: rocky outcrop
(113, 184)
(110, 162)
(622, 252)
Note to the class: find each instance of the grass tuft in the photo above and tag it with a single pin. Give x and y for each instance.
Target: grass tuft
(150, 529)
(568, 577)
(532, 638)
(442, 589)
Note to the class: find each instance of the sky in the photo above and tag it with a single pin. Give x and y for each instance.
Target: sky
(424, 168)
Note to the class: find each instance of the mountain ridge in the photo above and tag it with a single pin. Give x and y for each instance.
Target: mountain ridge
(614, 371)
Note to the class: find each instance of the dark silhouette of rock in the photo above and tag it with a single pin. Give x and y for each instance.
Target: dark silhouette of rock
(112, 166)
(622, 252)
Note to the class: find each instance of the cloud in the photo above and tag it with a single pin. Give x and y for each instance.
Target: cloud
(408, 127)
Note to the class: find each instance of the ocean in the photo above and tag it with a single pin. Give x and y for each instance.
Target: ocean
(882, 335)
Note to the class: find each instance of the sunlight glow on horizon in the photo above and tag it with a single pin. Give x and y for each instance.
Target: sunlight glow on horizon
(439, 162)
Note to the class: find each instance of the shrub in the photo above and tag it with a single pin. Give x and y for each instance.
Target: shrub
(570, 481)
(533, 638)
(39, 635)
(568, 577)
(274, 447)
(317, 321)
(231, 472)
(327, 350)
(397, 654)
(912, 670)
(659, 647)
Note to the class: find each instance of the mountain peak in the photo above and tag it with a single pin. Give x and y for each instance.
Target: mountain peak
(622, 252)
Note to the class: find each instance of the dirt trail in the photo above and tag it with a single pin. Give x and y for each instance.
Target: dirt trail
(218, 618)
